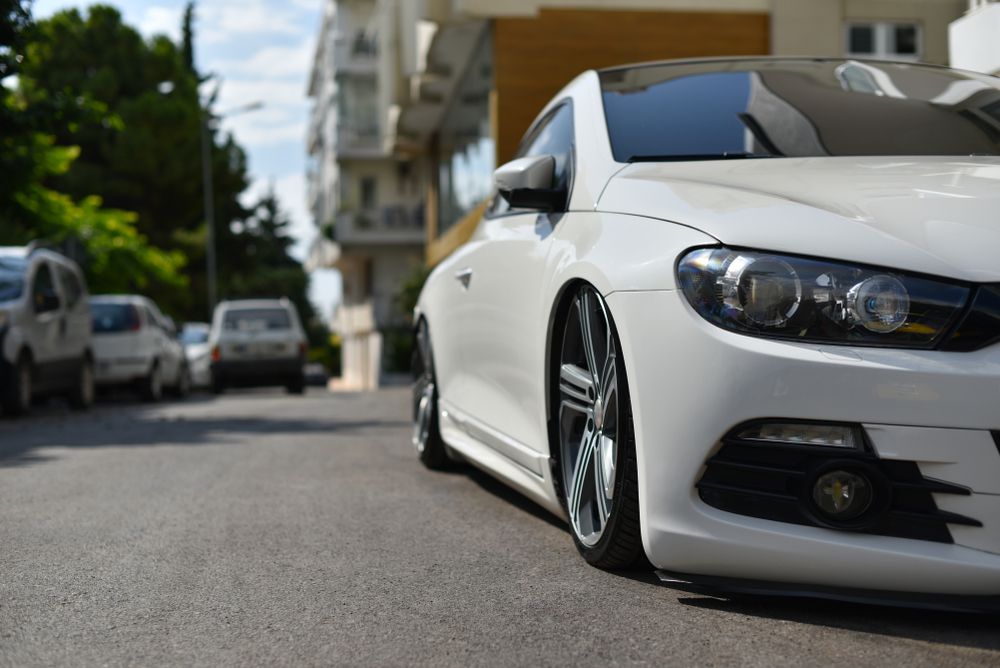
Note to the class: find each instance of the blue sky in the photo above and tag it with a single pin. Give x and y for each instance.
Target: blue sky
(262, 50)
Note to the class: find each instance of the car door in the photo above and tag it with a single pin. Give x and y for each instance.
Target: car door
(499, 307)
(76, 335)
(161, 342)
(46, 326)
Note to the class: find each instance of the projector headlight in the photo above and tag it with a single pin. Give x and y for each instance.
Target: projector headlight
(789, 297)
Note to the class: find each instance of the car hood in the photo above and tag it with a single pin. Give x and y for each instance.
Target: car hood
(933, 215)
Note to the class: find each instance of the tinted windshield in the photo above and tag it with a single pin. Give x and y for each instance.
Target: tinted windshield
(798, 109)
(109, 318)
(11, 278)
(256, 319)
(194, 335)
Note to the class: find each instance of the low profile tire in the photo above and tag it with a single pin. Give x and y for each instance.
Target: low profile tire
(81, 397)
(596, 439)
(426, 438)
(151, 387)
(17, 394)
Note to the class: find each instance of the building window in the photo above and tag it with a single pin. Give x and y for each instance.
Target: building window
(368, 193)
(883, 39)
(465, 153)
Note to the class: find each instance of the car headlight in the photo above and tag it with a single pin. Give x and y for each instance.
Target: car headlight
(782, 296)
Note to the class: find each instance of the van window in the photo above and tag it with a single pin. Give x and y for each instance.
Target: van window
(11, 278)
(43, 291)
(71, 285)
(255, 319)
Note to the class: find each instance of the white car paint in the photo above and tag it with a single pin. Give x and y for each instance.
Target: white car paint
(130, 356)
(194, 338)
(489, 307)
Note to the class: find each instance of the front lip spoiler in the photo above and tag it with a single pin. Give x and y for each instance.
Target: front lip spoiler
(724, 587)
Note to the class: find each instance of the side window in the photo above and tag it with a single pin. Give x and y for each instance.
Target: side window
(152, 320)
(553, 135)
(71, 286)
(43, 290)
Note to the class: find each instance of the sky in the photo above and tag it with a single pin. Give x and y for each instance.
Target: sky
(261, 50)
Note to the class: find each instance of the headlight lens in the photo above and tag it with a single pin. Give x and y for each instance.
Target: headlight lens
(813, 300)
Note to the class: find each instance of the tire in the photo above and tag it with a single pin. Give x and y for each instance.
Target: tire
(218, 385)
(297, 386)
(426, 437)
(17, 394)
(81, 397)
(151, 387)
(183, 386)
(595, 437)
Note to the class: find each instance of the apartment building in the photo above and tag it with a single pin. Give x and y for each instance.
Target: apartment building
(974, 39)
(367, 203)
(476, 72)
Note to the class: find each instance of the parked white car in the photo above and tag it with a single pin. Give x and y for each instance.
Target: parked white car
(194, 338)
(258, 342)
(45, 342)
(136, 345)
(741, 318)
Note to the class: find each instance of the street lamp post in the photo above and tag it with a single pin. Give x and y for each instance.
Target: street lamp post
(208, 189)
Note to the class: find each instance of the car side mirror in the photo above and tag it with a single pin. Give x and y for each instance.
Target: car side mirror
(529, 183)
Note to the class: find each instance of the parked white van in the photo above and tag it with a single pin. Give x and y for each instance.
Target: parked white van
(135, 344)
(44, 330)
(257, 342)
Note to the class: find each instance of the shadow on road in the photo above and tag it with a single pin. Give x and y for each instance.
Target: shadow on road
(124, 422)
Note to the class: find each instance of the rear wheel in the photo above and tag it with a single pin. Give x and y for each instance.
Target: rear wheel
(596, 437)
(296, 386)
(17, 394)
(183, 387)
(81, 396)
(426, 438)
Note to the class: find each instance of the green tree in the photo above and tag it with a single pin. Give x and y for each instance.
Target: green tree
(118, 256)
(143, 153)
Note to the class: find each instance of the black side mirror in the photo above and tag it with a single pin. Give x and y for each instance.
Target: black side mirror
(527, 183)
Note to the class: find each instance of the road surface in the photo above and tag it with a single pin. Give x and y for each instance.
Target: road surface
(260, 529)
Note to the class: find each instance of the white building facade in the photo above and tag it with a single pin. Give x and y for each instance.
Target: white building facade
(974, 39)
(367, 202)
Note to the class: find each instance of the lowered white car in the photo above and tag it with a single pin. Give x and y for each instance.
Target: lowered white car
(741, 318)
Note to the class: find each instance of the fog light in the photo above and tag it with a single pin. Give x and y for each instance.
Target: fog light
(842, 495)
(835, 435)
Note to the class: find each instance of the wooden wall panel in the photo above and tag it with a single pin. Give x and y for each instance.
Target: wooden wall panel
(536, 56)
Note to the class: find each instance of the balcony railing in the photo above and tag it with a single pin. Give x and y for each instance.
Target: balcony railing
(359, 138)
(388, 224)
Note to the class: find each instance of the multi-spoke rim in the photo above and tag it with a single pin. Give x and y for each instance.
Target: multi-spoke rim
(588, 415)
(423, 391)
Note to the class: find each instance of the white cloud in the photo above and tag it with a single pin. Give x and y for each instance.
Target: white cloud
(161, 20)
(272, 62)
(220, 21)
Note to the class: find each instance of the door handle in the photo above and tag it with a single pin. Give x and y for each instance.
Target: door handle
(464, 276)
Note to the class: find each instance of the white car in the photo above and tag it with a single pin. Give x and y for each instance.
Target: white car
(194, 338)
(136, 345)
(45, 345)
(741, 318)
(257, 342)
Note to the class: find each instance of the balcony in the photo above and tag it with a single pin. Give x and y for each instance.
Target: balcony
(356, 54)
(359, 140)
(389, 225)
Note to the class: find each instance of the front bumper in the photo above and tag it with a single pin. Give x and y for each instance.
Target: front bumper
(692, 382)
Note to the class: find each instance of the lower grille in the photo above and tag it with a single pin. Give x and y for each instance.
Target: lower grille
(774, 481)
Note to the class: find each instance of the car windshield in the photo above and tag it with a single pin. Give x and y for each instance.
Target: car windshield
(798, 108)
(256, 319)
(194, 335)
(111, 318)
(11, 278)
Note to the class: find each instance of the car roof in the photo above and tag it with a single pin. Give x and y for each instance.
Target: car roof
(254, 303)
(762, 59)
(119, 299)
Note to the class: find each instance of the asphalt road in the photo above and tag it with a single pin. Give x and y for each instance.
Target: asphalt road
(262, 529)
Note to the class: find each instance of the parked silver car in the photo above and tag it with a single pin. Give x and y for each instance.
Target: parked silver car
(45, 343)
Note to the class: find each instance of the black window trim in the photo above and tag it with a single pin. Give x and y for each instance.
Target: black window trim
(526, 140)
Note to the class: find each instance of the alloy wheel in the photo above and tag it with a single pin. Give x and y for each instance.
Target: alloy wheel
(423, 391)
(589, 425)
